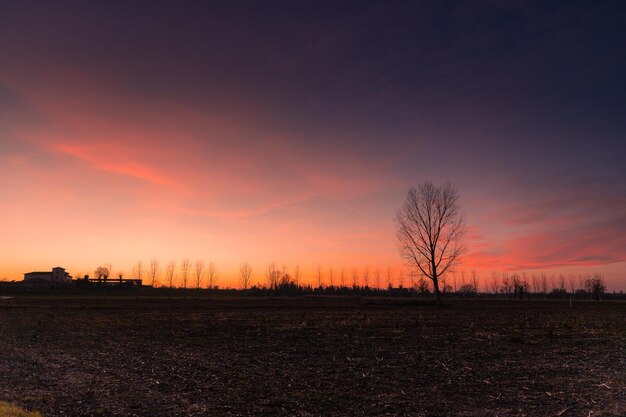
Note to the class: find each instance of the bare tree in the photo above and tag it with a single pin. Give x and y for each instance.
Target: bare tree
(475, 280)
(199, 272)
(520, 285)
(296, 275)
(184, 271)
(108, 266)
(536, 283)
(319, 277)
(581, 282)
(170, 270)
(572, 283)
(245, 272)
(507, 284)
(366, 277)
(401, 279)
(355, 278)
(389, 279)
(377, 278)
(595, 286)
(495, 282)
(553, 282)
(154, 271)
(273, 276)
(102, 272)
(429, 229)
(212, 273)
(544, 284)
(331, 277)
(286, 278)
(422, 285)
(137, 270)
(342, 276)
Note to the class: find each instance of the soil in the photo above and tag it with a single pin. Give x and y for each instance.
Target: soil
(136, 356)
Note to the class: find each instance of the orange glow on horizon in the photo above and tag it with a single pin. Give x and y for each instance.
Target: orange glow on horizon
(97, 174)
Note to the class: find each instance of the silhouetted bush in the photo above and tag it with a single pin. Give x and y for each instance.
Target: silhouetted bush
(468, 290)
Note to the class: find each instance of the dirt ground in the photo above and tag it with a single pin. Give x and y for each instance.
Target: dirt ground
(129, 356)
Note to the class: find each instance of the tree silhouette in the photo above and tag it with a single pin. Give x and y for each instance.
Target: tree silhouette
(296, 275)
(154, 271)
(138, 270)
(273, 276)
(595, 286)
(170, 269)
(199, 272)
(319, 277)
(212, 273)
(355, 278)
(245, 272)
(429, 230)
(184, 271)
(102, 272)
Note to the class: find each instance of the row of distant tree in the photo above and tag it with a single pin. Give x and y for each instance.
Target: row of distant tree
(430, 228)
(202, 274)
(186, 274)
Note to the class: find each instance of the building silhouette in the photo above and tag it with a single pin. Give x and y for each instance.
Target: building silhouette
(56, 276)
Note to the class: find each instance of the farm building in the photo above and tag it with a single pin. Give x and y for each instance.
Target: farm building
(56, 276)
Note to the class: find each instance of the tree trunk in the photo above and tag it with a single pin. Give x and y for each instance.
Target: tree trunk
(435, 278)
(436, 290)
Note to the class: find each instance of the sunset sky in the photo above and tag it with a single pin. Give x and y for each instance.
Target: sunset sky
(290, 132)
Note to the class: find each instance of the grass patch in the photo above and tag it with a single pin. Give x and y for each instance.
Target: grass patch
(10, 410)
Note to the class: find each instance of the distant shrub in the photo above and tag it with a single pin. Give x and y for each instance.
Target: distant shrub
(558, 293)
(10, 410)
(468, 290)
(581, 294)
(595, 286)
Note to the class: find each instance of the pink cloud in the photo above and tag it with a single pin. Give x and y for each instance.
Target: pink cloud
(109, 160)
(570, 221)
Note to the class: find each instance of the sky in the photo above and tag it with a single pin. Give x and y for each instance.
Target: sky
(289, 132)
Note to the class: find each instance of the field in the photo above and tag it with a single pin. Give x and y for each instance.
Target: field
(129, 356)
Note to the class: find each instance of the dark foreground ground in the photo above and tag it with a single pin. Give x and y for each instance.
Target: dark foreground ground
(312, 357)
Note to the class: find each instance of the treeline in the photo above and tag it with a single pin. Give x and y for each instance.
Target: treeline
(521, 285)
(364, 282)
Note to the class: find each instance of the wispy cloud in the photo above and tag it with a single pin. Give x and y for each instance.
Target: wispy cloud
(112, 162)
(578, 222)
